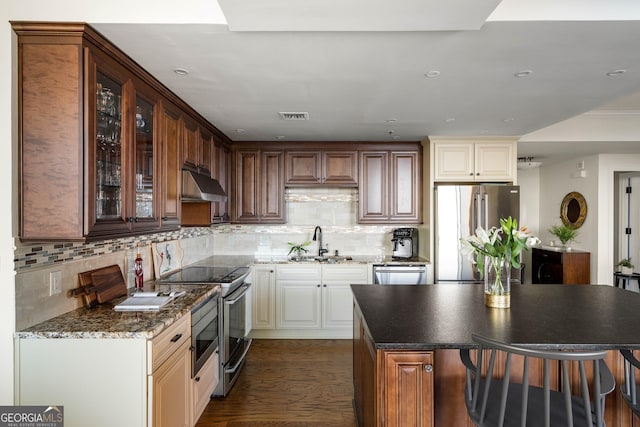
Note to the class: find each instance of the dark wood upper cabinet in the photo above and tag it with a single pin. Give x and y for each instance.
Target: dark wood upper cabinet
(76, 101)
(321, 168)
(100, 137)
(258, 187)
(390, 187)
(170, 130)
(190, 141)
(205, 157)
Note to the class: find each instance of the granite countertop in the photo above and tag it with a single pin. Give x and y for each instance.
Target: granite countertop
(104, 322)
(346, 259)
(544, 316)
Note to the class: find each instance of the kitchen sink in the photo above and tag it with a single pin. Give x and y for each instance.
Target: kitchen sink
(329, 259)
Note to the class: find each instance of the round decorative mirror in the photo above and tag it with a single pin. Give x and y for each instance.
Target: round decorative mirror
(573, 210)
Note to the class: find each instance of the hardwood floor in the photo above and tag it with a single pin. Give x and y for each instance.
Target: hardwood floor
(289, 383)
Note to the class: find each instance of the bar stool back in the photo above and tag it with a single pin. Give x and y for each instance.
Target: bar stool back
(504, 402)
(630, 389)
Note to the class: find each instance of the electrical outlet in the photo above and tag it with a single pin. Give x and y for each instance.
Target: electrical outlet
(55, 283)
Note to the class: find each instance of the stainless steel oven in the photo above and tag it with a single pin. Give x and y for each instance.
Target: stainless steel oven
(232, 329)
(234, 335)
(204, 332)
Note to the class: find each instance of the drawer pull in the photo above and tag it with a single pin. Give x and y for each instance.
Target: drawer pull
(197, 379)
(176, 338)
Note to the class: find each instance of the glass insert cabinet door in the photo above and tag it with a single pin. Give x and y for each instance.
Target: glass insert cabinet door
(144, 160)
(109, 148)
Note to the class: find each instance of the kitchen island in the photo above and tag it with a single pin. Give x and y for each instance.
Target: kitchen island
(407, 369)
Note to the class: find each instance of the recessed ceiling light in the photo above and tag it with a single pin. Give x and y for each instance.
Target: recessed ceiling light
(181, 71)
(396, 137)
(450, 120)
(239, 130)
(523, 73)
(615, 73)
(280, 137)
(391, 120)
(432, 74)
(508, 119)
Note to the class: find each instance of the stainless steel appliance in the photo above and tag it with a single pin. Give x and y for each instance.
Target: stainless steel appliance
(233, 330)
(405, 243)
(459, 210)
(400, 274)
(204, 332)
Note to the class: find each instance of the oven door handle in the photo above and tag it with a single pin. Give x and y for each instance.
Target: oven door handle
(245, 289)
(235, 367)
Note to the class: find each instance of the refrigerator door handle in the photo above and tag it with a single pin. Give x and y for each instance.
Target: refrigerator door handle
(485, 198)
(478, 214)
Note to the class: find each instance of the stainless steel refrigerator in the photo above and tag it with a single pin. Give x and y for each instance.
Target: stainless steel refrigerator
(459, 210)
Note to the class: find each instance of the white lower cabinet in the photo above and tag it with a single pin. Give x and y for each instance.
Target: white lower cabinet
(298, 296)
(106, 382)
(307, 300)
(263, 289)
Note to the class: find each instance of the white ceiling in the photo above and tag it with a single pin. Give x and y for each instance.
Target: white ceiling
(360, 74)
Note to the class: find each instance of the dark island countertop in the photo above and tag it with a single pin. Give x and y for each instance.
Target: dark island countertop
(550, 316)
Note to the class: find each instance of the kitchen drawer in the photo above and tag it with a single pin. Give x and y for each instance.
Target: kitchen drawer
(298, 272)
(348, 273)
(165, 344)
(203, 385)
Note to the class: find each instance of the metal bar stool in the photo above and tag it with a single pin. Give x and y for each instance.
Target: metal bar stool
(505, 402)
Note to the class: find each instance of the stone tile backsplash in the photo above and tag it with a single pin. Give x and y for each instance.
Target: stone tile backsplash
(335, 210)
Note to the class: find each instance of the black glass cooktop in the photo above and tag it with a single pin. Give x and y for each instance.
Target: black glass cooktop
(204, 274)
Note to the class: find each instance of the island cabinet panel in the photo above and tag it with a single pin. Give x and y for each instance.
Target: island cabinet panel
(391, 387)
(560, 267)
(408, 388)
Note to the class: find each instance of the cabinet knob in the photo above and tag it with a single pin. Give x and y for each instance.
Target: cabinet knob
(197, 379)
(270, 271)
(428, 368)
(165, 218)
(470, 173)
(478, 173)
(318, 285)
(325, 285)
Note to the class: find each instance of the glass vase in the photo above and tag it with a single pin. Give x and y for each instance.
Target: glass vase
(497, 282)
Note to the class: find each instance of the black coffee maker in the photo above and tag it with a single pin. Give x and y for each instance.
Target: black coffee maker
(405, 243)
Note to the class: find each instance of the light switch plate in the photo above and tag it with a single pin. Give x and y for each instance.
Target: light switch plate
(55, 283)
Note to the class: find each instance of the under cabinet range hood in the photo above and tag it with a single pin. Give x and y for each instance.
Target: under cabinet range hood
(197, 187)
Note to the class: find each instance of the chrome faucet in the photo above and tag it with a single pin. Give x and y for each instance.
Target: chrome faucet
(317, 235)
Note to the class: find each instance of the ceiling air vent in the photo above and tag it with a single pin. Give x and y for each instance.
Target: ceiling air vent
(294, 116)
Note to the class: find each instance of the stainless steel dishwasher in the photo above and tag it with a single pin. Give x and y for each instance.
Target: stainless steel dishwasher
(399, 274)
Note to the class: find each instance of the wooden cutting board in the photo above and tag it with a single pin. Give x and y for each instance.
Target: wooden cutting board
(101, 285)
(109, 283)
